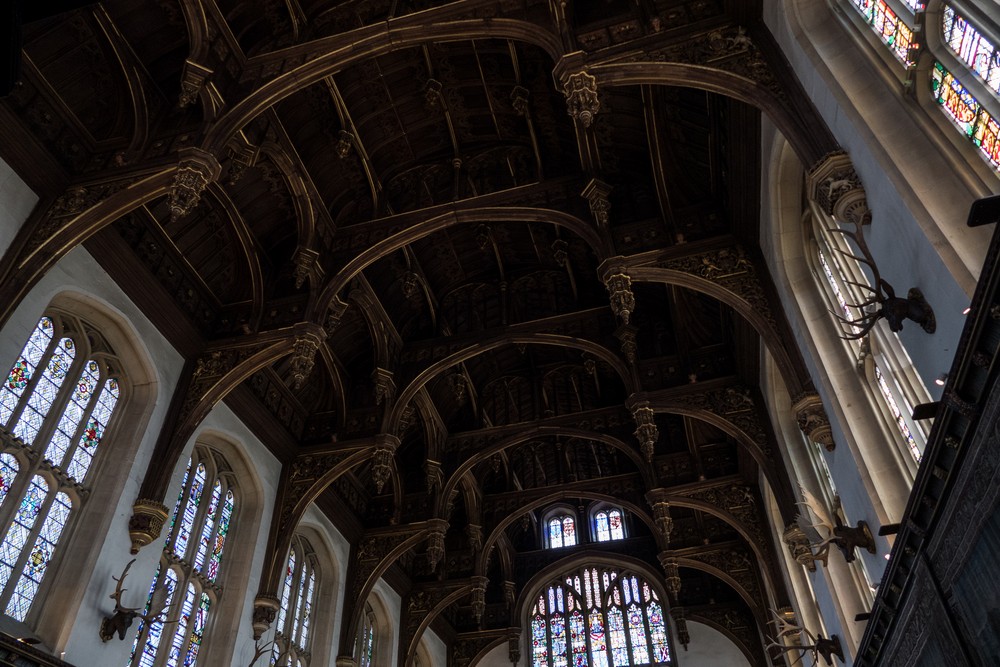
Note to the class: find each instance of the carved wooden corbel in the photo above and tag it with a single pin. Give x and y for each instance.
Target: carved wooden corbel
(598, 193)
(657, 499)
(196, 169)
(579, 87)
(646, 431)
(382, 456)
(614, 273)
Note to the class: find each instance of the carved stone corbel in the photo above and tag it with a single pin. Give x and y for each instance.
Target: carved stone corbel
(836, 187)
(146, 522)
(798, 546)
(813, 422)
(197, 168)
(265, 608)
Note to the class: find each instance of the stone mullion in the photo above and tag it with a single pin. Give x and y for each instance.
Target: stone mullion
(36, 528)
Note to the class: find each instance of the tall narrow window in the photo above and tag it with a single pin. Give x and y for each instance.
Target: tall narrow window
(890, 28)
(598, 618)
(291, 639)
(58, 399)
(189, 566)
(368, 639)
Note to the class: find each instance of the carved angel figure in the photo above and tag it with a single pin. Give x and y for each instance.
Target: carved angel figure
(845, 538)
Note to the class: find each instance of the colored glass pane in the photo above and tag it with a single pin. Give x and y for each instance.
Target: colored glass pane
(178, 505)
(39, 557)
(603, 531)
(615, 524)
(24, 368)
(179, 643)
(598, 642)
(194, 493)
(286, 590)
(300, 600)
(889, 27)
(958, 102)
(69, 422)
(539, 643)
(94, 430)
(578, 640)
(44, 393)
(897, 414)
(208, 525)
(658, 632)
(555, 533)
(975, 50)
(637, 633)
(557, 625)
(307, 610)
(198, 630)
(155, 634)
(569, 531)
(8, 471)
(21, 528)
(616, 633)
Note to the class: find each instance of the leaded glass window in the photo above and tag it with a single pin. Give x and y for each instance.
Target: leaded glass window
(190, 564)
(976, 51)
(59, 398)
(368, 639)
(291, 639)
(965, 111)
(598, 617)
(608, 524)
(561, 531)
(891, 29)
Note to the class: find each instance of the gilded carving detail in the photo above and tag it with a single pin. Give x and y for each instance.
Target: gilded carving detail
(813, 422)
(146, 522)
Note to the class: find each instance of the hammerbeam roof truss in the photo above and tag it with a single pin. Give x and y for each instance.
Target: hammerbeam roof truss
(447, 259)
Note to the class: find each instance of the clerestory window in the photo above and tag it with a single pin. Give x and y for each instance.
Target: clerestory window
(292, 634)
(560, 530)
(607, 524)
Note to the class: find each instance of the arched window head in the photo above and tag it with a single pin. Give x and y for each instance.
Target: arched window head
(295, 616)
(59, 397)
(598, 617)
(559, 527)
(368, 638)
(191, 563)
(607, 523)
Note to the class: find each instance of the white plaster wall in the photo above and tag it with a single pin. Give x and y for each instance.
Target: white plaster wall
(437, 650)
(710, 648)
(16, 202)
(499, 656)
(388, 642)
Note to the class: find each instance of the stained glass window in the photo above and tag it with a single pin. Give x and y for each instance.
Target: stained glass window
(205, 507)
(291, 640)
(891, 29)
(561, 531)
(368, 639)
(596, 618)
(966, 113)
(608, 525)
(61, 392)
(975, 50)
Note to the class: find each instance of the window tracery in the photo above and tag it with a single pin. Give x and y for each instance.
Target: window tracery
(190, 564)
(598, 617)
(292, 636)
(58, 399)
(368, 639)
(560, 530)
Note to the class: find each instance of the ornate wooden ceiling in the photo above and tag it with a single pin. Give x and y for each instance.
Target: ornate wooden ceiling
(453, 262)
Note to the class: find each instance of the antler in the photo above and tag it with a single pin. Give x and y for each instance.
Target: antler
(117, 595)
(259, 650)
(881, 293)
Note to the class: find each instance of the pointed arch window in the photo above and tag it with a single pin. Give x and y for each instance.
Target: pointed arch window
(190, 564)
(292, 636)
(59, 397)
(598, 617)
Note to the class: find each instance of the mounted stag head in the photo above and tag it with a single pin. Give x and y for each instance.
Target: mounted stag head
(123, 616)
(260, 649)
(845, 538)
(828, 647)
(883, 301)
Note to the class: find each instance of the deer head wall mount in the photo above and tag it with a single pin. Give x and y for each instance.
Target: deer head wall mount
(119, 622)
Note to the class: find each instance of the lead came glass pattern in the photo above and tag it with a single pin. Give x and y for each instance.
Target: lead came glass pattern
(56, 388)
(981, 56)
(562, 531)
(964, 110)
(594, 618)
(608, 525)
(206, 514)
(890, 28)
